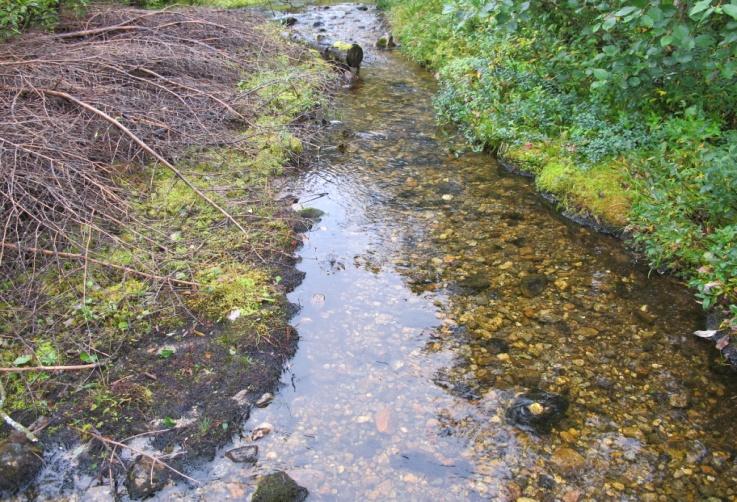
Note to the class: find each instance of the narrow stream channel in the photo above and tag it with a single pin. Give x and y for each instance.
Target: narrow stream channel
(438, 288)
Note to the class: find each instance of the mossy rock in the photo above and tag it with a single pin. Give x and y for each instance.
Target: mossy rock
(310, 213)
(279, 487)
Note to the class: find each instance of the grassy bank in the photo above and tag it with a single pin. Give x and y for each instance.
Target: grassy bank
(624, 112)
(174, 307)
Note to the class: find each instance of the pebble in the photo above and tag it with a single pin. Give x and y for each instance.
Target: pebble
(261, 431)
(679, 400)
(264, 400)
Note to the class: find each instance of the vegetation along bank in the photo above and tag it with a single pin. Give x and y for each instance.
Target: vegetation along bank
(144, 254)
(625, 111)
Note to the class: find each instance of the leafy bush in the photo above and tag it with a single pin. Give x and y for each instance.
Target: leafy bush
(18, 15)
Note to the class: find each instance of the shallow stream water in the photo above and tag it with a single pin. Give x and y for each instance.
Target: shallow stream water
(416, 334)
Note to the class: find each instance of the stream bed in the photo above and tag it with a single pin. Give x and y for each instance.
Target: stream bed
(438, 288)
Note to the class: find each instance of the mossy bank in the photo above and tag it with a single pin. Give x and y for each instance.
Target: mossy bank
(537, 86)
(181, 323)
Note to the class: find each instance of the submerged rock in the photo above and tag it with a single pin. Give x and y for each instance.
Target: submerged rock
(386, 42)
(308, 217)
(279, 487)
(476, 282)
(146, 477)
(495, 345)
(679, 400)
(311, 213)
(261, 431)
(20, 461)
(244, 455)
(567, 461)
(537, 411)
(264, 400)
(532, 285)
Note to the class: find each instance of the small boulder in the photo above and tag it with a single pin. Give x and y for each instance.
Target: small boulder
(279, 487)
(20, 461)
(146, 477)
(532, 285)
(244, 455)
(537, 411)
(289, 21)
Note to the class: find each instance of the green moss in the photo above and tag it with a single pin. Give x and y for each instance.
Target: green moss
(310, 213)
(343, 46)
(233, 287)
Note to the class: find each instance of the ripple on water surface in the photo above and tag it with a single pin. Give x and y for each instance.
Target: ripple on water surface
(438, 288)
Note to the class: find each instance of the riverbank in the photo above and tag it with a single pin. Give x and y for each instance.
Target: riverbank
(161, 314)
(663, 177)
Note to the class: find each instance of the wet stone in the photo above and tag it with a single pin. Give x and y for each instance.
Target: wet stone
(476, 282)
(537, 411)
(546, 482)
(679, 400)
(244, 455)
(449, 188)
(533, 285)
(567, 461)
(279, 487)
(496, 345)
(310, 213)
(146, 477)
(264, 400)
(20, 461)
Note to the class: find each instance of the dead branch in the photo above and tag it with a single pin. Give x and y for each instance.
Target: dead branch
(52, 369)
(148, 149)
(153, 459)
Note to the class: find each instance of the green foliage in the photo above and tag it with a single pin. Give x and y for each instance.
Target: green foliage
(625, 109)
(18, 15)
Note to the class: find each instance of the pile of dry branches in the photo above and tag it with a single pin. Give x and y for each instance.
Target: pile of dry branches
(105, 95)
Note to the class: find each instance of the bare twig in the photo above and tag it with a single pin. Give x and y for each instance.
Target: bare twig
(8, 420)
(77, 367)
(153, 459)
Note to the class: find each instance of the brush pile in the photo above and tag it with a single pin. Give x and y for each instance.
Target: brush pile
(104, 96)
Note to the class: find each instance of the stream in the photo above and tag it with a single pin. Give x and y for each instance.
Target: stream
(437, 289)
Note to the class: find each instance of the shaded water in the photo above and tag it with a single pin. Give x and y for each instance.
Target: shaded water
(416, 335)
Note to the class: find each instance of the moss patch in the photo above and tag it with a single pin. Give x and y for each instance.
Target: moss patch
(602, 190)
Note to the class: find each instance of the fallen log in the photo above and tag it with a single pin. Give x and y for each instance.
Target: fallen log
(347, 56)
